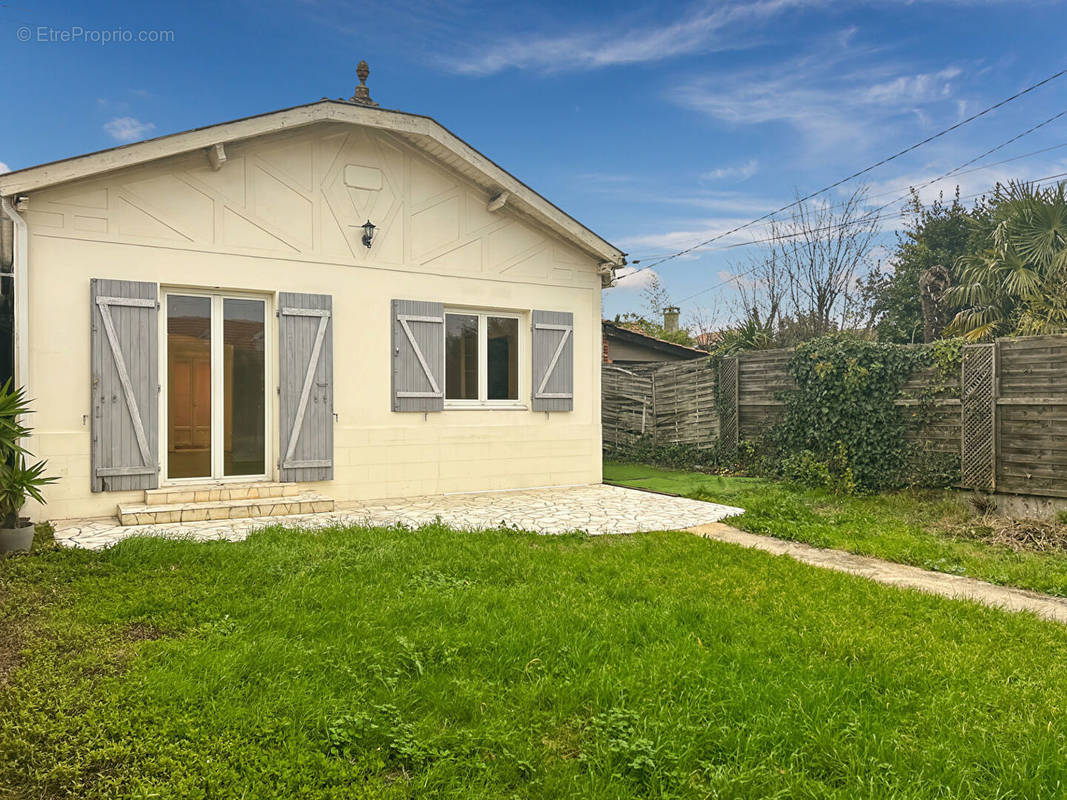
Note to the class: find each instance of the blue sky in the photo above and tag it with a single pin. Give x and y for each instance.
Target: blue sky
(657, 125)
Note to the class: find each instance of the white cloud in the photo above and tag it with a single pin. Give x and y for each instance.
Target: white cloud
(657, 190)
(708, 26)
(971, 183)
(128, 129)
(879, 257)
(634, 278)
(726, 202)
(706, 29)
(834, 96)
(732, 278)
(741, 172)
(679, 238)
(108, 105)
(908, 89)
(4, 167)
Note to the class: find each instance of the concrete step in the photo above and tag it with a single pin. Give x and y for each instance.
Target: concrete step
(214, 492)
(249, 507)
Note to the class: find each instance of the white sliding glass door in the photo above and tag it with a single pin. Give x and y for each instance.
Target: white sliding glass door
(216, 390)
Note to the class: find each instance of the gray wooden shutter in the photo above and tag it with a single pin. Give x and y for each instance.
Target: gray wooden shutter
(124, 344)
(553, 361)
(418, 355)
(305, 385)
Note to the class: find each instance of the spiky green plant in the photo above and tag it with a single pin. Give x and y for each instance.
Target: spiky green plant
(19, 481)
(1017, 283)
(747, 335)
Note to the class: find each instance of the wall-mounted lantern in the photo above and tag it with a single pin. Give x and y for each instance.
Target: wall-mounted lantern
(368, 233)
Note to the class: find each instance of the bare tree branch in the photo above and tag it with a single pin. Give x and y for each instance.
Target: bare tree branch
(805, 282)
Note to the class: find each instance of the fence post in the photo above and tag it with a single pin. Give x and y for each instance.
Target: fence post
(655, 421)
(978, 420)
(994, 425)
(729, 411)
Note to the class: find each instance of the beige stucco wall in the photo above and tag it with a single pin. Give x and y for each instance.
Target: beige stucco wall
(277, 217)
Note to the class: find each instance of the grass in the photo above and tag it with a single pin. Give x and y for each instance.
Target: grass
(922, 528)
(432, 663)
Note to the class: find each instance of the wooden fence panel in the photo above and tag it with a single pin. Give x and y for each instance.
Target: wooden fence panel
(763, 377)
(1033, 366)
(978, 395)
(942, 431)
(1009, 426)
(670, 402)
(626, 406)
(1032, 416)
(685, 403)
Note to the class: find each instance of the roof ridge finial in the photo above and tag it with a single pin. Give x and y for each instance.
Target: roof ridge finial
(362, 95)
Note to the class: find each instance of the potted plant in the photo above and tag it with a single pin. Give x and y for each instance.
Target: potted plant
(19, 480)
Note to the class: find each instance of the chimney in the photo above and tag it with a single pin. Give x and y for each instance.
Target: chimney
(670, 319)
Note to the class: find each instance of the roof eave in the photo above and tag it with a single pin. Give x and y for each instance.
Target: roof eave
(652, 342)
(414, 127)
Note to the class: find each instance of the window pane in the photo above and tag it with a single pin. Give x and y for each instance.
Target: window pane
(461, 357)
(503, 358)
(188, 387)
(243, 365)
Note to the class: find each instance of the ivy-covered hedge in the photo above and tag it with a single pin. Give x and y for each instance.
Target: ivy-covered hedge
(843, 412)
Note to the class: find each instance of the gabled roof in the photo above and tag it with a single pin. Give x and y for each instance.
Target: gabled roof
(420, 131)
(614, 331)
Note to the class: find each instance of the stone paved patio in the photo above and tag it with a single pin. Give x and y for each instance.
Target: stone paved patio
(593, 509)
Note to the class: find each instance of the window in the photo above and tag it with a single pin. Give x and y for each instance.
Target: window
(461, 356)
(481, 359)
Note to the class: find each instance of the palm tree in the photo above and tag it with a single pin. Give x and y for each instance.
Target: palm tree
(1017, 282)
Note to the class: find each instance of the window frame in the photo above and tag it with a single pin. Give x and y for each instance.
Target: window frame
(483, 402)
(270, 377)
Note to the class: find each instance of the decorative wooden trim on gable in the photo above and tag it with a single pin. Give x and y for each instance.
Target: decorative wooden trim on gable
(420, 131)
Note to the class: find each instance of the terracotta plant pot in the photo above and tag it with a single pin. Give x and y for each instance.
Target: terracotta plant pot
(16, 540)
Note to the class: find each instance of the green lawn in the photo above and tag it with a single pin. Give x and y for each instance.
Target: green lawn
(391, 663)
(910, 527)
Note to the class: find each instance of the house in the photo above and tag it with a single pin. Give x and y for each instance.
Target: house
(322, 304)
(626, 345)
(706, 340)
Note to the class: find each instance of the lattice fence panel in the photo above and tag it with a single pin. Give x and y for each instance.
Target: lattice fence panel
(729, 410)
(979, 408)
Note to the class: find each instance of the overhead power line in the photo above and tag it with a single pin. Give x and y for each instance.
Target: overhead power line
(968, 163)
(955, 173)
(1031, 154)
(871, 216)
(780, 237)
(863, 171)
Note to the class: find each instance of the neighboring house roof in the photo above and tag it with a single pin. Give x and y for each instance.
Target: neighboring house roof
(618, 332)
(420, 131)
